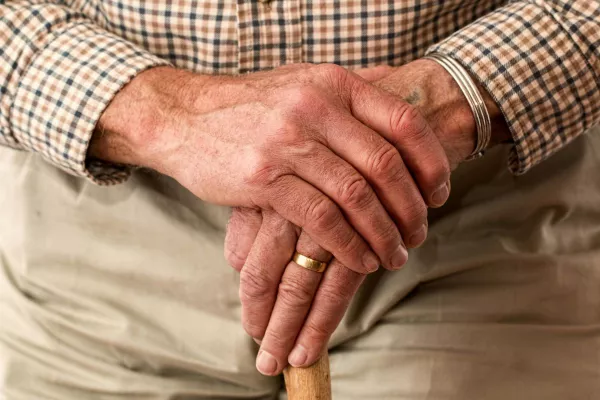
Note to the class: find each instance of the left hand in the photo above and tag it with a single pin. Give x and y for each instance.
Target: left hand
(276, 298)
(284, 304)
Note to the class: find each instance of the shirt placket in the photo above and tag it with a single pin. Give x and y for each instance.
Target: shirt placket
(269, 34)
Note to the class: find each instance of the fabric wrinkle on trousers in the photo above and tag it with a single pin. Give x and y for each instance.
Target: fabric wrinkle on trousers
(123, 292)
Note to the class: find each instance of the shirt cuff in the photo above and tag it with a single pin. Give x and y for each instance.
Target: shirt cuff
(536, 73)
(64, 91)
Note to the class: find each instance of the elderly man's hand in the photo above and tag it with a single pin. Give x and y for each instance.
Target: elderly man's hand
(287, 306)
(316, 144)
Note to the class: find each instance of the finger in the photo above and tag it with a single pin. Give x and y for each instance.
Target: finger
(373, 74)
(242, 228)
(303, 205)
(363, 210)
(337, 287)
(294, 297)
(381, 164)
(261, 274)
(404, 126)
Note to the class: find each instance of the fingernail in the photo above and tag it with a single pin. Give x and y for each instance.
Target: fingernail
(419, 237)
(266, 364)
(258, 341)
(298, 356)
(370, 262)
(399, 257)
(439, 197)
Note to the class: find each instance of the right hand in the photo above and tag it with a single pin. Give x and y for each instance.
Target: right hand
(316, 144)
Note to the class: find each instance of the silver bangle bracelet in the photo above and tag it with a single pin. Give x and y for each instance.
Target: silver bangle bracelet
(474, 98)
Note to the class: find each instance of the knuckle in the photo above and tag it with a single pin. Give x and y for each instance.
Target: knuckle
(288, 132)
(305, 98)
(349, 244)
(253, 329)
(306, 151)
(399, 175)
(289, 143)
(332, 70)
(263, 172)
(254, 286)
(322, 213)
(278, 338)
(335, 297)
(305, 95)
(436, 173)
(235, 260)
(294, 294)
(408, 121)
(415, 215)
(355, 192)
(279, 230)
(385, 162)
(286, 129)
(338, 77)
(388, 236)
(242, 217)
(317, 334)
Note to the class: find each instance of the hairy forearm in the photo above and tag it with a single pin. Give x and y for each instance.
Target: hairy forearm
(139, 125)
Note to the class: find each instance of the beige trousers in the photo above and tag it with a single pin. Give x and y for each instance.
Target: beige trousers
(123, 292)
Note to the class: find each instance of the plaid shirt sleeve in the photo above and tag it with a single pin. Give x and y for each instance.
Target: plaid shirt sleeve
(58, 72)
(540, 61)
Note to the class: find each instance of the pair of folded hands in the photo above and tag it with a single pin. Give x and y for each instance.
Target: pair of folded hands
(313, 158)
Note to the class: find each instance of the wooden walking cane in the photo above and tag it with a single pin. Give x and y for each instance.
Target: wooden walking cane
(311, 383)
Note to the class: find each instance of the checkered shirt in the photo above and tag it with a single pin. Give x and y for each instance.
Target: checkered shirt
(62, 61)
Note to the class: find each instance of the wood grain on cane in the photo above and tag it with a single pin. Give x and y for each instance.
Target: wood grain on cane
(311, 383)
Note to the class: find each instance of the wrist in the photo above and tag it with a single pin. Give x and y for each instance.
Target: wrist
(138, 127)
(464, 112)
(427, 85)
(448, 112)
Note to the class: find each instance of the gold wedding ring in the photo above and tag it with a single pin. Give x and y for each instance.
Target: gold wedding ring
(309, 263)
